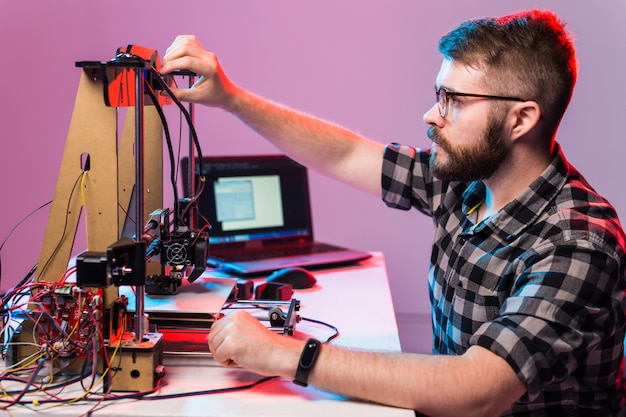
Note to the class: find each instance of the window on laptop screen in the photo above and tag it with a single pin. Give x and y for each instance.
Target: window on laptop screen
(253, 197)
(248, 202)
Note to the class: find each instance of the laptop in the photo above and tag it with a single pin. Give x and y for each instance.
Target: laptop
(259, 210)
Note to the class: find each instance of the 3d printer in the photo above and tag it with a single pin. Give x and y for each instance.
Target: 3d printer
(104, 175)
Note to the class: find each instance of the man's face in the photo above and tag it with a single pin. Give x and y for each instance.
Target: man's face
(467, 144)
(472, 161)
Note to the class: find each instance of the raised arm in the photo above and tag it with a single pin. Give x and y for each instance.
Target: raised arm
(318, 144)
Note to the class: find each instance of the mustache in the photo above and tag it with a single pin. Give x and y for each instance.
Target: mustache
(433, 134)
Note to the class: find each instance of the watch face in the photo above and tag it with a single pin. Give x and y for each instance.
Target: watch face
(309, 353)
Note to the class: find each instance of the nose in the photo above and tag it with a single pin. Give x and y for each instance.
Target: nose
(432, 116)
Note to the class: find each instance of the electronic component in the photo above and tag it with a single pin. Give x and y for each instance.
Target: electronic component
(186, 249)
(183, 254)
(124, 263)
(62, 324)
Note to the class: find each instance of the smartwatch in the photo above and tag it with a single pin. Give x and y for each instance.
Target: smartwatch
(307, 360)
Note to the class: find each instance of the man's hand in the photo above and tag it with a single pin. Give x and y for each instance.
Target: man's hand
(239, 339)
(212, 87)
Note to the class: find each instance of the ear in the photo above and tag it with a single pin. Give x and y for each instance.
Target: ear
(524, 117)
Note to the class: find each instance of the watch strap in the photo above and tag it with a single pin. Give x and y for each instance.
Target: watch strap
(307, 360)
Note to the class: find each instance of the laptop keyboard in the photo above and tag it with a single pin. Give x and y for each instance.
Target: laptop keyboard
(252, 255)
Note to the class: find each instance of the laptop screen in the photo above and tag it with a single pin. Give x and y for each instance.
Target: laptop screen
(256, 197)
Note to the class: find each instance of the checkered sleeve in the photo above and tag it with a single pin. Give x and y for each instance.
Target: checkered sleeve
(566, 301)
(398, 165)
(406, 180)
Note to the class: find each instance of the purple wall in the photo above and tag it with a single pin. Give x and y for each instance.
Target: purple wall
(369, 65)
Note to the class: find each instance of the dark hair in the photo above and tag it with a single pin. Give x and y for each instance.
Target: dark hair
(528, 54)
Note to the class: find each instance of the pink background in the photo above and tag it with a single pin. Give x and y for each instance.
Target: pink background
(366, 64)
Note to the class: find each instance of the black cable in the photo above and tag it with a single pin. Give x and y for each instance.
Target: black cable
(69, 201)
(252, 306)
(15, 227)
(184, 111)
(22, 221)
(334, 328)
(210, 391)
(24, 280)
(36, 389)
(170, 149)
(28, 383)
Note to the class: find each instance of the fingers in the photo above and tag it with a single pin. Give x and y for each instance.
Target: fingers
(180, 41)
(181, 59)
(223, 339)
(216, 339)
(212, 86)
(235, 339)
(239, 339)
(216, 335)
(181, 94)
(182, 54)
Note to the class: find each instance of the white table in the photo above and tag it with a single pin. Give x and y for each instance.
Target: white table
(356, 299)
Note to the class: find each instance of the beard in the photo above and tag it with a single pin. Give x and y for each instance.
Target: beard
(469, 163)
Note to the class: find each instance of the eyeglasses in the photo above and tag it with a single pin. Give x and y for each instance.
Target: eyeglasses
(443, 95)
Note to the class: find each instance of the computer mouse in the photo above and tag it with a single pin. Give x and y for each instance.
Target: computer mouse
(299, 278)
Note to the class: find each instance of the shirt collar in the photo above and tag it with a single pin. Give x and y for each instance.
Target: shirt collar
(513, 218)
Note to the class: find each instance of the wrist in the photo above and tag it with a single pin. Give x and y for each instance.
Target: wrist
(234, 99)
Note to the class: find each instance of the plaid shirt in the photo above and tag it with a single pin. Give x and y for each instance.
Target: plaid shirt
(540, 283)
